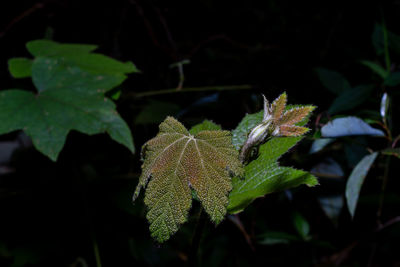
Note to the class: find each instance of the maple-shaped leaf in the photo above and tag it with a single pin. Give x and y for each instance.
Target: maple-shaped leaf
(70, 84)
(176, 161)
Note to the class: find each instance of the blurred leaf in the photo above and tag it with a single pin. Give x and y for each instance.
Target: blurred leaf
(78, 55)
(98, 63)
(350, 99)
(393, 79)
(348, 126)
(301, 225)
(20, 67)
(392, 152)
(176, 161)
(45, 48)
(356, 180)
(378, 40)
(319, 144)
(327, 168)
(263, 175)
(116, 95)
(378, 69)
(69, 98)
(275, 238)
(333, 80)
(332, 206)
(155, 112)
(206, 125)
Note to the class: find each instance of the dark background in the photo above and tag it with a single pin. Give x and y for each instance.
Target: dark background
(58, 214)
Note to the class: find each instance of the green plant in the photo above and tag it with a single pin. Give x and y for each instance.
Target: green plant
(205, 158)
(70, 83)
(350, 131)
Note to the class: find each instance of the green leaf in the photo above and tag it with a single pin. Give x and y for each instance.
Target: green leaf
(332, 80)
(350, 99)
(301, 225)
(263, 175)
(78, 55)
(393, 79)
(378, 69)
(97, 63)
(378, 40)
(205, 125)
(69, 98)
(46, 48)
(55, 73)
(275, 238)
(176, 161)
(116, 95)
(20, 67)
(239, 135)
(356, 180)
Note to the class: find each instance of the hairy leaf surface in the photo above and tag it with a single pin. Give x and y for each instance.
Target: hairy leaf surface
(264, 175)
(239, 134)
(176, 161)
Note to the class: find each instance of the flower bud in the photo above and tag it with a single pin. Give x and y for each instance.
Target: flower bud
(259, 133)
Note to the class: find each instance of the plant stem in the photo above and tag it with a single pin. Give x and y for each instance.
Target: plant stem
(96, 251)
(198, 232)
(193, 89)
(383, 189)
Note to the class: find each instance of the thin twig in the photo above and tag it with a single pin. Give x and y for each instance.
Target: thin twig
(388, 223)
(171, 41)
(150, 30)
(238, 223)
(20, 17)
(395, 141)
(192, 89)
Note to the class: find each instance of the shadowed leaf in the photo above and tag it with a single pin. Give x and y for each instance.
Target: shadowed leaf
(350, 99)
(378, 69)
(205, 125)
(333, 81)
(356, 180)
(348, 126)
(20, 67)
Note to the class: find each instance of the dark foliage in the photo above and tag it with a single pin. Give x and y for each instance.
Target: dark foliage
(78, 210)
